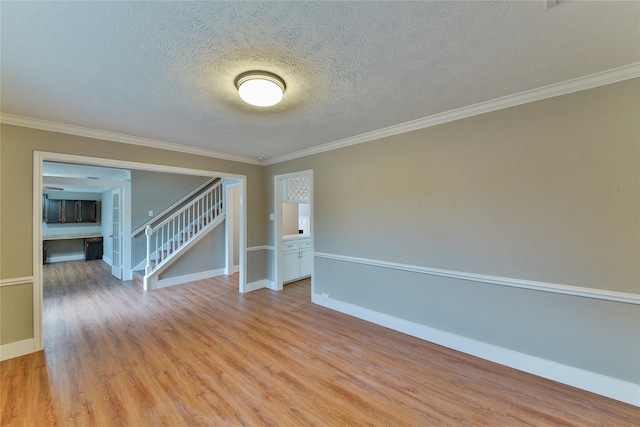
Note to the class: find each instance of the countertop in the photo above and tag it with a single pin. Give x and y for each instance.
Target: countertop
(71, 236)
(296, 236)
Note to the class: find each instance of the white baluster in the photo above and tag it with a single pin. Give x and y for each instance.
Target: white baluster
(148, 232)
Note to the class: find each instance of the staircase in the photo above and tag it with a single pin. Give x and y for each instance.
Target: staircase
(169, 239)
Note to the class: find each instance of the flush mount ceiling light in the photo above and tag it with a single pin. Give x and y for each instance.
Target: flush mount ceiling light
(260, 88)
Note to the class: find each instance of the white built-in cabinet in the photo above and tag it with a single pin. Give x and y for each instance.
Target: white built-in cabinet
(297, 244)
(297, 259)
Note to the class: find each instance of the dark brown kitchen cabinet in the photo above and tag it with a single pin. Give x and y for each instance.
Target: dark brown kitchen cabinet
(70, 211)
(53, 211)
(93, 248)
(88, 210)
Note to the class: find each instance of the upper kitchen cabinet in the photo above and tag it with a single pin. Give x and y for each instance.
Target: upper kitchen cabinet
(53, 211)
(88, 210)
(296, 189)
(70, 211)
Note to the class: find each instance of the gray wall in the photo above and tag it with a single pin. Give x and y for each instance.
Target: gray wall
(208, 254)
(157, 191)
(546, 191)
(289, 218)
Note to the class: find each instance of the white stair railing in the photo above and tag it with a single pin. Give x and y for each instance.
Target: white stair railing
(168, 237)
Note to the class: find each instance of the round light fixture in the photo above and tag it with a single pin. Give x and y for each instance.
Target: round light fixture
(260, 88)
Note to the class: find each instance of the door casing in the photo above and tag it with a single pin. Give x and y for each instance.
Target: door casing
(277, 233)
(41, 156)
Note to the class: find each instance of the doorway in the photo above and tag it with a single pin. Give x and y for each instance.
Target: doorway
(125, 226)
(116, 234)
(291, 192)
(232, 223)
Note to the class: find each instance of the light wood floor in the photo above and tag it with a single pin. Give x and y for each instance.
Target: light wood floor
(203, 354)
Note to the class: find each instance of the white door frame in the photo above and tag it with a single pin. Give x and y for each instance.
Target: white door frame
(41, 156)
(277, 229)
(117, 266)
(229, 268)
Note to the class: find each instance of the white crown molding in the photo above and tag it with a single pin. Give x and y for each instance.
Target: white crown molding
(579, 291)
(582, 83)
(11, 119)
(575, 85)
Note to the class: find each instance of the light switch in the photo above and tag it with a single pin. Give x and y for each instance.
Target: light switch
(272, 216)
(150, 213)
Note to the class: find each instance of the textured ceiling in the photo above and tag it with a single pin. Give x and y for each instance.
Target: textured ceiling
(166, 70)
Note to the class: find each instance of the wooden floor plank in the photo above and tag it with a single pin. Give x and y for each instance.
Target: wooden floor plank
(202, 354)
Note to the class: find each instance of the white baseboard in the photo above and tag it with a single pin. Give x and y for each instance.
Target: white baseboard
(63, 258)
(17, 349)
(271, 285)
(140, 266)
(234, 269)
(107, 260)
(178, 280)
(590, 381)
(258, 284)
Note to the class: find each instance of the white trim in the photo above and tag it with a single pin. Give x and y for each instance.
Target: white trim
(242, 240)
(575, 85)
(126, 164)
(16, 281)
(596, 383)
(17, 349)
(258, 284)
(37, 252)
(63, 258)
(228, 225)
(107, 260)
(139, 266)
(260, 248)
(28, 122)
(580, 291)
(179, 280)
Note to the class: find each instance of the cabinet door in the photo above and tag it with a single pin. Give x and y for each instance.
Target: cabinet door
(88, 211)
(93, 248)
(306, 261)
(53, 211)
(70, 211)
(290, 266)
